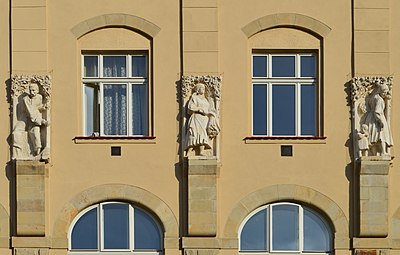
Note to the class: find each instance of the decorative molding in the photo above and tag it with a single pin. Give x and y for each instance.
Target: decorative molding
(115, 20)
(295, 20)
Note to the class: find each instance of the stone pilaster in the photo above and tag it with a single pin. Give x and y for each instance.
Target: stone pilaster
(202, 196)
(30, 198)
(29, 36)
(371, 37)
(200, 37)
(374, 196)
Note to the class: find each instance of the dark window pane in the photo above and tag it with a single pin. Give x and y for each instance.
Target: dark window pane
(147, 234)
(254, 233)
(85, 233)
(308, 110)
(139, 110)
(260, 109)
(308, 66)
(114, 66)
(116, 226)
(115, 109)
(90, 66)
(139, 66)
(285, 228)
(260, 64)
(89, 101)
(283, 66)
(316, 233)
(283, 110)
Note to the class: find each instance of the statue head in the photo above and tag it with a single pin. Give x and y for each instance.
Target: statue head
(33, 89)
(200, 88)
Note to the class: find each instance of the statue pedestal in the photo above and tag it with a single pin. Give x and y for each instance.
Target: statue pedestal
(202, 195)
(30, 198)
(373, 196)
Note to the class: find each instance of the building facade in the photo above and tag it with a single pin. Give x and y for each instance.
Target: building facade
(201, 127)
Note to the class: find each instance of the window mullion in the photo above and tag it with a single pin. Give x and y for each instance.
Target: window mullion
(298, 109)
(301, 228)
(101, 226)
(128, 111)
(101, 100)
(269, 109)
(132, 228)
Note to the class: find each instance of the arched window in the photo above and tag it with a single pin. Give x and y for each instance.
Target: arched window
(285, 227)
(117, 227)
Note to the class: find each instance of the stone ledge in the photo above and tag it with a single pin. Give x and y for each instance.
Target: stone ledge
(371, 243)
(23, 242)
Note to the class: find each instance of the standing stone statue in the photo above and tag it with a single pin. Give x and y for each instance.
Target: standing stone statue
(34, 107)
(201, 121)
(31, 115)
(201, 116)
(380, 136)
(371, 101)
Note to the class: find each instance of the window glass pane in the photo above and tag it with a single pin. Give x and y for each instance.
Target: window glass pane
(260, 64)
(308, 66)
(308, 110)
(139, 110)
(285, 228)
(254, 233)
(316, 233)
(283, 66)
(116, 226)
(114, 66)
(139, 66)
(89, 102)
(90, 68)
(283, 110)
(85, 232)
(260, 109)
(147, 234)
(115, 109)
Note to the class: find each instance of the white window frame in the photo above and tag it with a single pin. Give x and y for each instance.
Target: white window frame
(297, 81)
(100, 234)
(99, 81)
(269, 226)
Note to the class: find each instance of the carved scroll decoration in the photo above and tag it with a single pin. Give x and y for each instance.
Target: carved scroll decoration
(31, 99)
(371, 107)
(201, 97)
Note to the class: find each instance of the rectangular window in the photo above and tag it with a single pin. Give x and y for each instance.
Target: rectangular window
(116, 94)
(285, 100)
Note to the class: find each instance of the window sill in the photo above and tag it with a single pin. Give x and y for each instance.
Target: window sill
(285, 140)
(114, 140)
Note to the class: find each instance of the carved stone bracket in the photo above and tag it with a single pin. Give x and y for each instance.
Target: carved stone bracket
(371, 107)
(31, 101)
(201, 97)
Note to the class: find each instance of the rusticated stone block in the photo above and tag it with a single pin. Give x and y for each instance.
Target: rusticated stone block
(30, 189)
(202, 196)
(373, 198)
(31, 251)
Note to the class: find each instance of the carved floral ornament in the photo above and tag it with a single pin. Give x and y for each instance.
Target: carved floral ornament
(371, 107)
(201, 96)
(20, 84)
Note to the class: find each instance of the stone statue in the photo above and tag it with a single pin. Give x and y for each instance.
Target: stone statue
(380, 136)
(363, 140)
(371, 100)
(31, 103)
(202, 123)
(34, 106)
(201, 96)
